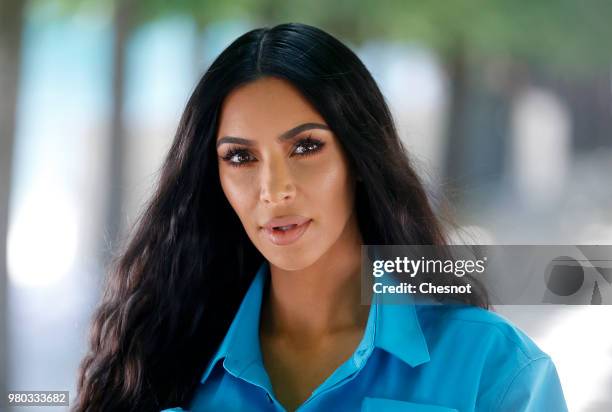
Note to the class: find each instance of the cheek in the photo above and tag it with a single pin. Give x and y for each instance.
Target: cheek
(238, 189)
(328, 184)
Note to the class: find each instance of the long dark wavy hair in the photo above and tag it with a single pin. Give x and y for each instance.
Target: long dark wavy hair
(174, 289)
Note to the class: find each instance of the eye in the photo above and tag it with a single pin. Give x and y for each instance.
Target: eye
(308, 146)
(237, 157)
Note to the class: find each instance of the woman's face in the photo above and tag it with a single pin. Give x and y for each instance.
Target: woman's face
(284, 173)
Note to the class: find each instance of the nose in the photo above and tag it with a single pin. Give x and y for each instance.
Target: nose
(277, 184)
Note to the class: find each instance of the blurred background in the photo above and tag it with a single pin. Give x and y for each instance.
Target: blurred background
(505, 106)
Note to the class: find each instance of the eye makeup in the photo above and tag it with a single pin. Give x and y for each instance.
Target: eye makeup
(237, 156)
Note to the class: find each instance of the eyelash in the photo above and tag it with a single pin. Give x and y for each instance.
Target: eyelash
(302, 142)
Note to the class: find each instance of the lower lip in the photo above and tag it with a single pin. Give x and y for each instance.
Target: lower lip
(286, 237)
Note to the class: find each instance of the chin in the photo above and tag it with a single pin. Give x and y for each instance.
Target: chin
(291, 260)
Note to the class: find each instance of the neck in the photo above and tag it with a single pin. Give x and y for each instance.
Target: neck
(321, 299)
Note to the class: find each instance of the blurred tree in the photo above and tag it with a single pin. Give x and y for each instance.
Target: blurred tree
(11, 23)
(123, 14)
(124, 22)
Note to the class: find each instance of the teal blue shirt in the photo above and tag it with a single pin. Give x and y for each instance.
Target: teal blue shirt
(412, 357)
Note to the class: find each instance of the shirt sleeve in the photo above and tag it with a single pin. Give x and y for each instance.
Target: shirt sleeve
(534, 388)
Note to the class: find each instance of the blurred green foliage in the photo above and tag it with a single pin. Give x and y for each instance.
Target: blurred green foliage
(569, 33)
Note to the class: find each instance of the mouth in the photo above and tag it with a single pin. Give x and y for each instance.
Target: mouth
(287, 233)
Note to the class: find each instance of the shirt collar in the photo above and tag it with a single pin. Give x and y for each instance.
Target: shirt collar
(393, 328)
(397, 330)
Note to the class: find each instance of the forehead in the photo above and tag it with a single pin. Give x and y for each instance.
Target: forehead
(267, 106)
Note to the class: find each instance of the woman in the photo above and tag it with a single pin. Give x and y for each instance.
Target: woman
(240, 287)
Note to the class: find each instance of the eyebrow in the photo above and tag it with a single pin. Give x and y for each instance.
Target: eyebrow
(283, 137)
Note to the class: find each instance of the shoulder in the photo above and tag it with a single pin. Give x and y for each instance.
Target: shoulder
(510, 371)
(479, 328)
(478, 336)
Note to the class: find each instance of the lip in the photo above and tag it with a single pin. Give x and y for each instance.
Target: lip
(289, 236)
(285, 221)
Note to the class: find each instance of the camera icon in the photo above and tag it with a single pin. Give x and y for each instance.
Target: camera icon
(549, 274)
(579, 281)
